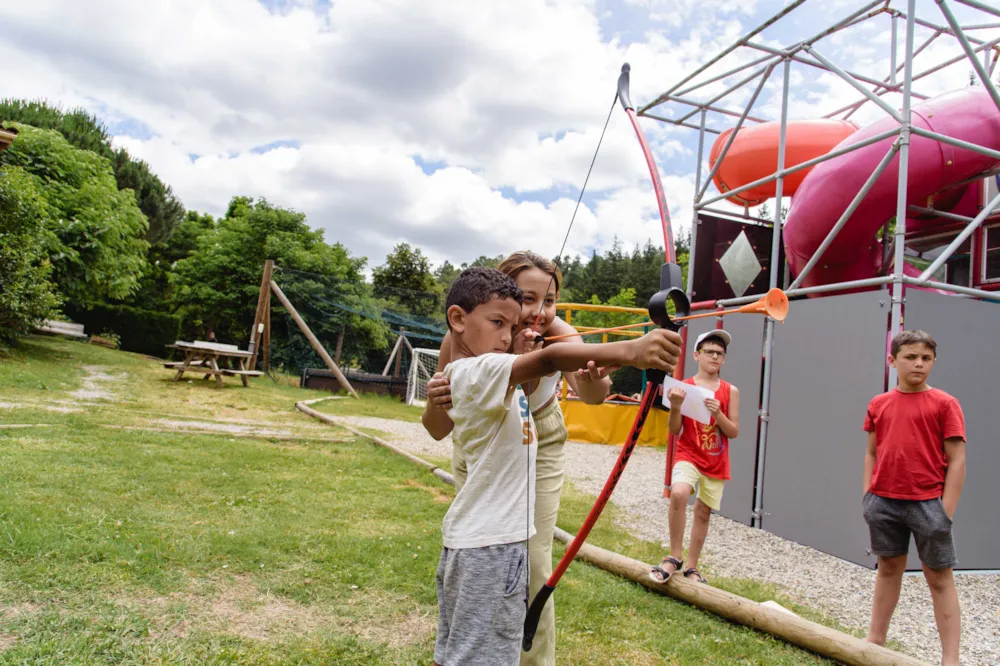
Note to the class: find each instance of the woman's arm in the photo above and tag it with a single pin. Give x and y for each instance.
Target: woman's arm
(435, 418)
(591, 385)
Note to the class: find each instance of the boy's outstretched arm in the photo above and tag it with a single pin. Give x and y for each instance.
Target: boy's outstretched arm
(658, 349)
(954, 451)
(869, 461)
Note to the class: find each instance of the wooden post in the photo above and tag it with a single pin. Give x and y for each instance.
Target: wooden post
(392, 355)
(407, 343)
(313, 341)
(399, 351)
(266, 340)
(258, 316)
(340, 346)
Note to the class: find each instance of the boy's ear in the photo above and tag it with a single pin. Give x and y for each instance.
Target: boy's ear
(892, 360)
(456, 318)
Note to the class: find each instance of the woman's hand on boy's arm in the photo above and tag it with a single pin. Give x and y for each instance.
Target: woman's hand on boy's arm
(435, 417)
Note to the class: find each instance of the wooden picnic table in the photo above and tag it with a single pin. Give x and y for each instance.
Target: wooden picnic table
(202, 358)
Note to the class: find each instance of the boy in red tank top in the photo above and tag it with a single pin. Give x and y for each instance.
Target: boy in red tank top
(914, 471)
(702, 456)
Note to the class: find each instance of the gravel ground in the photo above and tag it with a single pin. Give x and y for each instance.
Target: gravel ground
(820, 581)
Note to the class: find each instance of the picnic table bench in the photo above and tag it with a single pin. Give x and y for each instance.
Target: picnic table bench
(202, 357)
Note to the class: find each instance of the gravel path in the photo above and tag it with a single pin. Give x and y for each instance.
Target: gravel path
(823, 582)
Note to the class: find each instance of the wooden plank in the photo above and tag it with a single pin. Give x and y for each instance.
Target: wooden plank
(178, 364)
(313, 340)
(216, 371)
(214, 348)
(236, 373)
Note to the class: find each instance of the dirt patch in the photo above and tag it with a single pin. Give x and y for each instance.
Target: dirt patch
(236, 606)
(223, 427)
(439, 495)
(7, 641)
(13, 612)
(38, 405)
(93, 384)
(400, 629)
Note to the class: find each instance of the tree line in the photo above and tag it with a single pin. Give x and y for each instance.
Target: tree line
(91, 234)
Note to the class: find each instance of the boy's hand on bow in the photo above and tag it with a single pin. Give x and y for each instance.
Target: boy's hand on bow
(659, 349)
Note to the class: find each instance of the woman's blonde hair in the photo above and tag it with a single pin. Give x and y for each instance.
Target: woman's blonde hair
(522, 260)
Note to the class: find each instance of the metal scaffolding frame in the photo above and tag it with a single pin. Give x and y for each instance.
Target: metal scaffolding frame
(981, 54)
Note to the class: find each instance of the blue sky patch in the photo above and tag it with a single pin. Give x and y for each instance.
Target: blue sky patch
(268, 147)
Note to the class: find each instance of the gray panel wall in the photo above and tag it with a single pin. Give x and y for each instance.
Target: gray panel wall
(968, 367)
(829, 362)
(742, 369)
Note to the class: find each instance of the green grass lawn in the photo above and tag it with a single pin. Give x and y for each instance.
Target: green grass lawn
(123, 546)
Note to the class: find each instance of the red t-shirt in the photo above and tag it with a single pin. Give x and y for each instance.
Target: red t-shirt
(703, 445)
(910, 429)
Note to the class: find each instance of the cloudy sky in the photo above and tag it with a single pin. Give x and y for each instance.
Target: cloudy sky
(464, 127)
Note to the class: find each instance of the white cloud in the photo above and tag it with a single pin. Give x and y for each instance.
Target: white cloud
(504, 96)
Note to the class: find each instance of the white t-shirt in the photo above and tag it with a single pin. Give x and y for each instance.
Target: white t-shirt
(494, 428)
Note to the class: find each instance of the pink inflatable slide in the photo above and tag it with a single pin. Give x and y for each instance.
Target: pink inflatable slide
(934, 170)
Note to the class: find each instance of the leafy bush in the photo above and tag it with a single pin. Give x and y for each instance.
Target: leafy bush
(141, 331)
(26, 294)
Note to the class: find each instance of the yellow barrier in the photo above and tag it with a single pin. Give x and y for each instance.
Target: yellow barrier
(609, 423)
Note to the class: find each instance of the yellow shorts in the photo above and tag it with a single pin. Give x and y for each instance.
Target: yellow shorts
(709, 488)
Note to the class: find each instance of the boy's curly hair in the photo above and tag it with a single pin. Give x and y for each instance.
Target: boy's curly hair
(475, 286)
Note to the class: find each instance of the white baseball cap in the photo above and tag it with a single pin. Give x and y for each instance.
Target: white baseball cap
(718, 332)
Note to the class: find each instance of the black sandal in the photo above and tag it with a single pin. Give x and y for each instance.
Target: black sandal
(692, 570)
(664, 576)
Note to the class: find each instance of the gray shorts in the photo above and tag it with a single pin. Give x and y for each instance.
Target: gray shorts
(482, 595)
(891, 521)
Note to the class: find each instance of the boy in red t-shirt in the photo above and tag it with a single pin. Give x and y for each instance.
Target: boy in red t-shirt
(914, 471)
(702, 455)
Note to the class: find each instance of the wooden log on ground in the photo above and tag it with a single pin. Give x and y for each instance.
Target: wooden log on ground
(360, 433)
(312, 340)
(809, 635)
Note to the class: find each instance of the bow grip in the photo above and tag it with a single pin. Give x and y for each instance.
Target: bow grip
(671, 290)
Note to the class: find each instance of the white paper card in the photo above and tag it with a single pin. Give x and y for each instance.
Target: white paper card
(693, 406)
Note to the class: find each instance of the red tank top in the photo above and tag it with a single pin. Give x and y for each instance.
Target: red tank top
(704, 445)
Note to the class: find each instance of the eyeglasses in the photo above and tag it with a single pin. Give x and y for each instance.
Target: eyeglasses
(712, 353)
